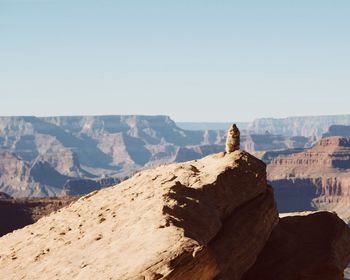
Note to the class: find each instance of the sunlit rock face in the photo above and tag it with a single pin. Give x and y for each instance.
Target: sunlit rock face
(200, 219)
(317, 178)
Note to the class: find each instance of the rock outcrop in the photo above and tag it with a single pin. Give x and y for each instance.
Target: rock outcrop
(195, 220)
(316, 179)
(310, 247)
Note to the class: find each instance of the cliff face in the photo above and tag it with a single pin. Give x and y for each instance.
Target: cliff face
(90, 141)
(328, 154)
(67, 148)
(270, 142)
(18, 177)
(317, 178)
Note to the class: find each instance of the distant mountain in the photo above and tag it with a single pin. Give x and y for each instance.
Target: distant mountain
(210, 125)
(317, 178)
(48, 156)
(39, 155)
(338, 130)
(307, 126)
(310, 126)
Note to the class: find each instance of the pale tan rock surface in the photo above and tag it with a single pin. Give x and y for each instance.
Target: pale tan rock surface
(194, 220)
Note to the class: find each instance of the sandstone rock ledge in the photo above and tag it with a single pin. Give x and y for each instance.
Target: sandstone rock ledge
(311, 247)
(196, 220)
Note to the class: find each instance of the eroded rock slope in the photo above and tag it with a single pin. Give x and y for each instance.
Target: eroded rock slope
(196, 220)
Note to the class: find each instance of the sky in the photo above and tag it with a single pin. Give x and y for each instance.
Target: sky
(194, 60)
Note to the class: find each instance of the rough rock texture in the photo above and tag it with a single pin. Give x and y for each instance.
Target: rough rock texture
(196, 220)
(317, 178)
(17, 213)
(310, 247)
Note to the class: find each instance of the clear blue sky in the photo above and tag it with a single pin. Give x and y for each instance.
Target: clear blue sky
(193, 60)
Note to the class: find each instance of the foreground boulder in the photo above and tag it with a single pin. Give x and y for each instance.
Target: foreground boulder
(312, 247)
(197, 220)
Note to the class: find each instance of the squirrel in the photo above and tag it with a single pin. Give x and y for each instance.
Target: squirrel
(233, 139)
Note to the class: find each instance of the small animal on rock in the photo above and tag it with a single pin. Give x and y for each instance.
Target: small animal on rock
(233, 139)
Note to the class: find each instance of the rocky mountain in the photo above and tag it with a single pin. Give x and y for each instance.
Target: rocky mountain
(270, 142)
(308, 126)
(39, 155)
(46, 156)
(21, 178)
(211, 125)
(212, 218)
(75, 187)
(338, 130)
(317, 178)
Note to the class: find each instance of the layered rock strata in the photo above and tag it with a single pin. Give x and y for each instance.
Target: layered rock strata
(315, 179)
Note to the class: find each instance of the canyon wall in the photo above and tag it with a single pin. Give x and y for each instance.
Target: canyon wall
(315, 179)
